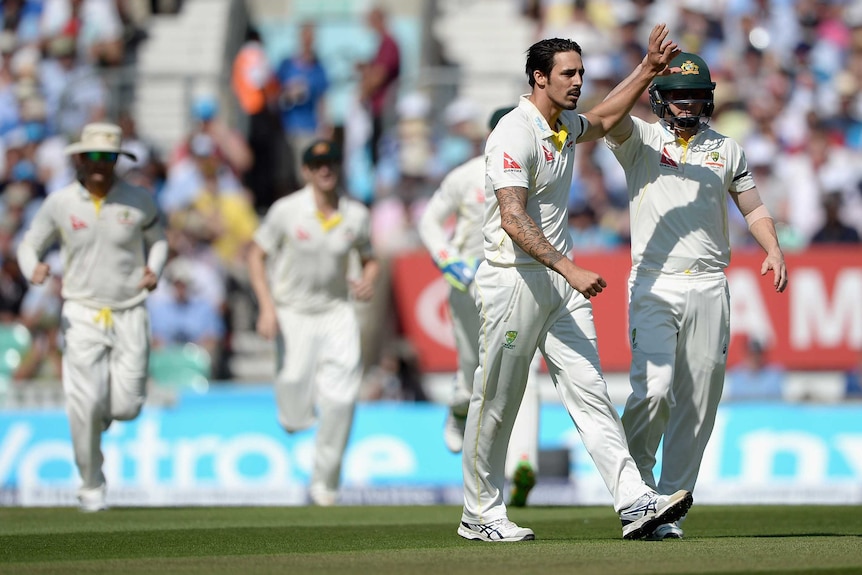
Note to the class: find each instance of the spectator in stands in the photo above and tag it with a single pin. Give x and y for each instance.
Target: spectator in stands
(95, 25)
(587, 234)
(40, 313)
(464, 137)
(223, 218)
(201, 165)
(8, 44)
(834, 230)
(21, 18)
(13, 285)
(754, 378)
(147, 169)
(181, 315)
(74, 93)
(231, 145)
(256, 88)
(304, 85)
(378, 79)
(19, 204)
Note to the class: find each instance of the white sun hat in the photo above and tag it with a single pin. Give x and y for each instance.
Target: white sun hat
(100, 137)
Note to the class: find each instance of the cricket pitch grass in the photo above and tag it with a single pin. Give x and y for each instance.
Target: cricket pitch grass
(417, 540)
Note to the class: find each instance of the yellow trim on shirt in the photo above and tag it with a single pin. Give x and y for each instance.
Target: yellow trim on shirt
(97, 201)
(559, 138)
(684, 145)
(327, 223)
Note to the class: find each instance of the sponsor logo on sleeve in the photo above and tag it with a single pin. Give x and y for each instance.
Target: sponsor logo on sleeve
(510, 164)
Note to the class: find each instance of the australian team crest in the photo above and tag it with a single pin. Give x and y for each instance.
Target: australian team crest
(689, 67)
(125, 217)
(511, 336)
(714, 156)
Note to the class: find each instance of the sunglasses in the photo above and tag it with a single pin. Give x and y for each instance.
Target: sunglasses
(313, 166)
(101, 156)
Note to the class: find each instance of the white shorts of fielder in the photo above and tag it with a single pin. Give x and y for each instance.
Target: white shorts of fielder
(104, 378)
(524, 443)
(547, 313)
(679, 356)
(319, 372)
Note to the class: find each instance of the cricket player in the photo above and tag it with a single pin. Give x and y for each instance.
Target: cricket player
(680, 174)
(114, 249)
(457, 254)
(531, 295)
(298, 267)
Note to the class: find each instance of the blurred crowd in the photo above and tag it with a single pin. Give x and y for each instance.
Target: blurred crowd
(788, 72)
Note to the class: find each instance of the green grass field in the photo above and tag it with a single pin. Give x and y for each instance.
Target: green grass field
(407, 540)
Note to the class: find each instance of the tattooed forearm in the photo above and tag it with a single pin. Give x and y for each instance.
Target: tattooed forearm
(521, 227)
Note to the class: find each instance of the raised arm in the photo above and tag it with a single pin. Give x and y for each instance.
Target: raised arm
(617, 105)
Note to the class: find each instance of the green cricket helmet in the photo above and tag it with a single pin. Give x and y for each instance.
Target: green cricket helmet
(694, 76)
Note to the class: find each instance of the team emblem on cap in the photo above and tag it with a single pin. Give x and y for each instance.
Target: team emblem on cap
(320, 148)
(689, 67)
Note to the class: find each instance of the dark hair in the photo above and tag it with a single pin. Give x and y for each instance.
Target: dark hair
(252, 34)
(540, 56)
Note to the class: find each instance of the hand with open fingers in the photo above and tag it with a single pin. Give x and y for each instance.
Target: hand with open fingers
(775, 262)
(660, 51)
(458, 272)
(588, 283)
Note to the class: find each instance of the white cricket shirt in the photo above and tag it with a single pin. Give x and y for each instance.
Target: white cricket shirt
(462, 193)
(522, 152)
(309, 264)
(678, 196)
(104, 245)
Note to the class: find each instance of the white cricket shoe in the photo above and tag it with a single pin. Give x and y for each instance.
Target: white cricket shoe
(666, 531)
(651, 510)
(453, 432)
(322, 497)
(499, 530)
(92, 500)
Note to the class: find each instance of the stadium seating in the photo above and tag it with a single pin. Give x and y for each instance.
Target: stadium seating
(15, 341)
(181, 367)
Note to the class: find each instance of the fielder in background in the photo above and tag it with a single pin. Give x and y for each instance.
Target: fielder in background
(462, 194)
(531, 295)
(114, 249)
(303, 248)
(680, 174)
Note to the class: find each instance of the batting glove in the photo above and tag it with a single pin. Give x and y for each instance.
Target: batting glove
(459, 273)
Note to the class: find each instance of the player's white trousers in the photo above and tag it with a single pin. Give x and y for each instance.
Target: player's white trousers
(680, 328)
(319, 372)
(524, 443)
(105, 360)
(521, 309)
